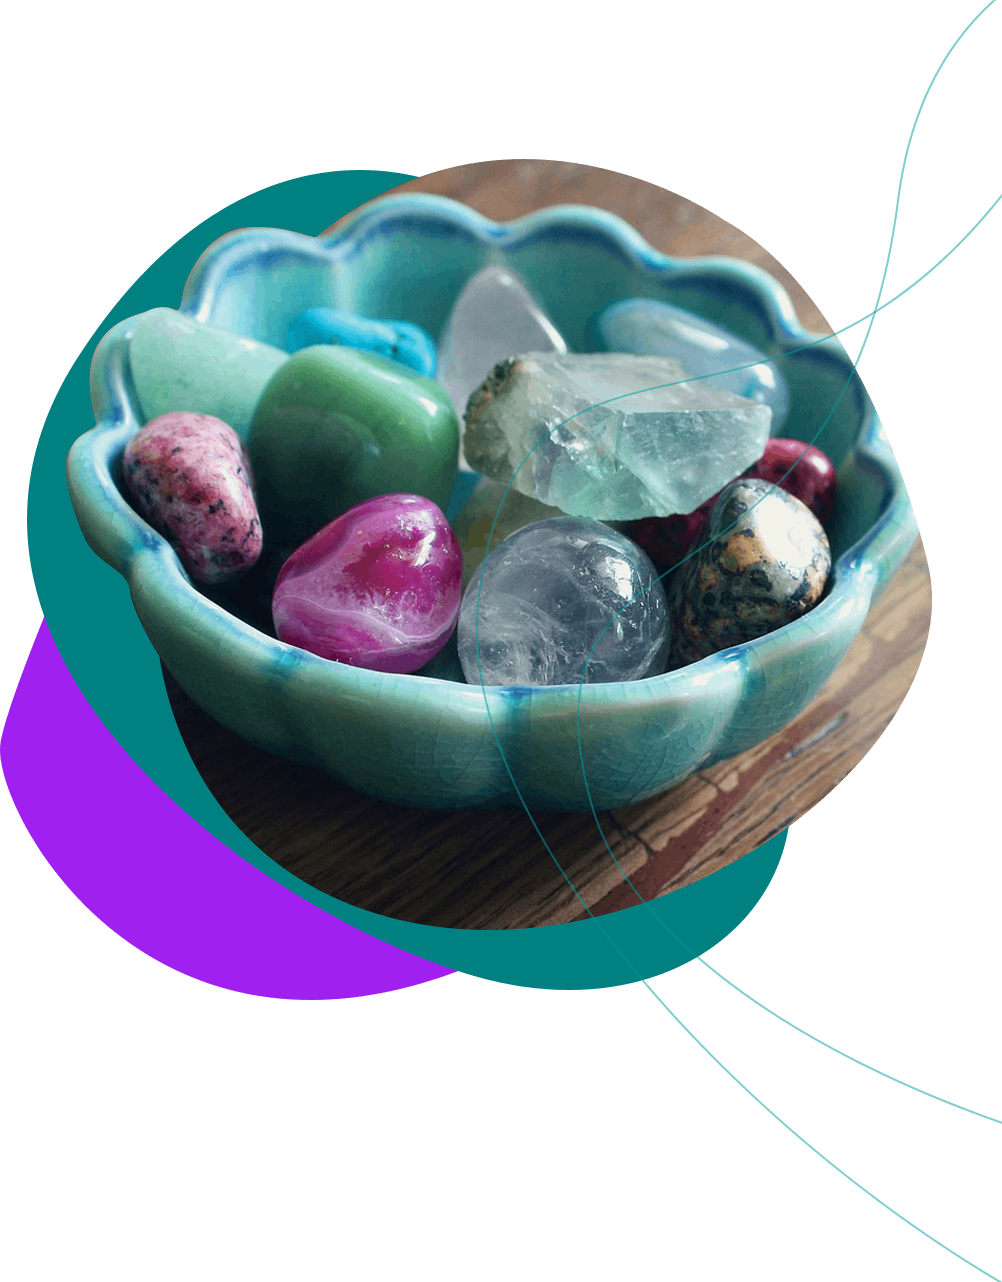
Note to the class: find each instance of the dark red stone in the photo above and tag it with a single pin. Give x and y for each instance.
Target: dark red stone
(802, 470)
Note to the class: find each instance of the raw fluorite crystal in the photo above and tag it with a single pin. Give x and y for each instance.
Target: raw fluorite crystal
(802, 470)
(336, 426)
(190, 479)
(179, 364)
(494, 318)
(396, 340)
(647, 453)
(649, 328)
(552, 593)
(377, 588)
(766, 564)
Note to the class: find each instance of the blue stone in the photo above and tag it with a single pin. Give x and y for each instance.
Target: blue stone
(397, 340)
(648, 328)
(563, 601)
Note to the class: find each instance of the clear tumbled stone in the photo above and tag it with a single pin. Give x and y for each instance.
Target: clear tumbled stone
(563, 601)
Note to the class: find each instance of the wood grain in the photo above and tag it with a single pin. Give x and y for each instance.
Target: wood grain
(490, 871)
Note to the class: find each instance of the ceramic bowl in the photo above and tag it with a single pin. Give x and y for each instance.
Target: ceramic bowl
(432, 742)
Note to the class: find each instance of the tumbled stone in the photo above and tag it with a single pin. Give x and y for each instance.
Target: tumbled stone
(765, 564)
(651, 328)
(336, 426)
(179, 364)
(668, 540)
(802, 470)
(552, 593)
(396, 340)
(495, 317)
(379, 587)
(610, 435)
(191, 480)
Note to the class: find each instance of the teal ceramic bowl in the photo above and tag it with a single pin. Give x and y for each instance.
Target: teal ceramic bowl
(437, 743)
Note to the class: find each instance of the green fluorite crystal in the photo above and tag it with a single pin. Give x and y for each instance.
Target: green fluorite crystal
(610, 435)
(179, 364)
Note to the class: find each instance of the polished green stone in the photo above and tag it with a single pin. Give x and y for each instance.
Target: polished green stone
(336, 426)
(179, 364)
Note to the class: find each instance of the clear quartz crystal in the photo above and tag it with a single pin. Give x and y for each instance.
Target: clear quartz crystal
(611, 435)
(494, 318)
(563, 601)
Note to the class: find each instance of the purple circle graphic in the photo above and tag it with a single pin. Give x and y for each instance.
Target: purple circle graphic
(155, 876)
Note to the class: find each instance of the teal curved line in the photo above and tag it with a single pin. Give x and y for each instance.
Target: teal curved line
(872, 317)
(845, 1174)
(879, 1072)
(929, 1094)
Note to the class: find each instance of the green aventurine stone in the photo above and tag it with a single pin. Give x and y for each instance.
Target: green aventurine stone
(336, 426)
(179, 364)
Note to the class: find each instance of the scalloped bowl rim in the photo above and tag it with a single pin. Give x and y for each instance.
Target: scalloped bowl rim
(132, 547)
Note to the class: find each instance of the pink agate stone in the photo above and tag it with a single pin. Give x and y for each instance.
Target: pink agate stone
(379, 587)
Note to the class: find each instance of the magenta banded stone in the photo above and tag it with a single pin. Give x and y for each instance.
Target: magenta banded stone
(379, 587)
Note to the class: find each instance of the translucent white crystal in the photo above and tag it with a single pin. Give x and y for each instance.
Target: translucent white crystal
(649, 328)
(495, 317)
(611, 435)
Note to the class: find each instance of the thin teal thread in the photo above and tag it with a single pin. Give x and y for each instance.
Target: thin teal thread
(626, 878)
(591, 804)
(872, 316)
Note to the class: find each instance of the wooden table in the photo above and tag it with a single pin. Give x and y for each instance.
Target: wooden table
(489, 870)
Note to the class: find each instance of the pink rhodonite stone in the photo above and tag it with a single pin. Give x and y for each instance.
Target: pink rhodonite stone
(379, 587)
(190, 478)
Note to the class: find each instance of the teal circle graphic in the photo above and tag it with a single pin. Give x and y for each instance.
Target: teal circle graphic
(90, 615)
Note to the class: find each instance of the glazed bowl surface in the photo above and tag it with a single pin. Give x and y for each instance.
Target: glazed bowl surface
(434, 742)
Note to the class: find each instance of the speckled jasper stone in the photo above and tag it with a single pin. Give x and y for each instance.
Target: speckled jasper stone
(765, 565)
(191, 480)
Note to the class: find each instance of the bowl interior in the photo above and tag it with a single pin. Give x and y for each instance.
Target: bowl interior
(408, 259)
